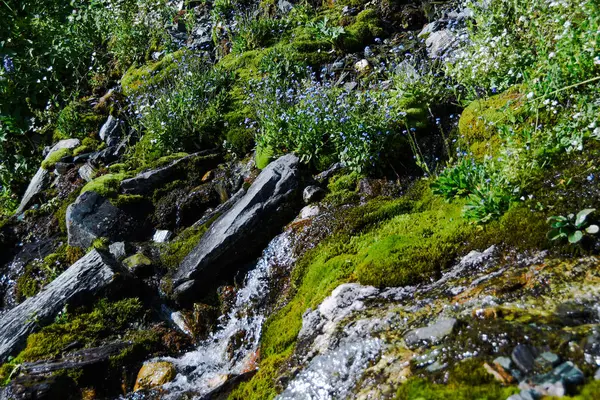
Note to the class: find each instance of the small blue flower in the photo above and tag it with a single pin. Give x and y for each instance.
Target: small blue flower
(590, 177)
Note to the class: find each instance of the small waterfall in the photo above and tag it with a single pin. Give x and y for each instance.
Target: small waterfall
(232, 349)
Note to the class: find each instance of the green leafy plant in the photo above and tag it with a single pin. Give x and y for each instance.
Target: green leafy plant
(572, 227)
(324, 31)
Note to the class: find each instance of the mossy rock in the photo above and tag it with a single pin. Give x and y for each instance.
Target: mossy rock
(88, 145)
(138, 263)
(139, 79)
(55, 157)
(478, 124)
(105, 185)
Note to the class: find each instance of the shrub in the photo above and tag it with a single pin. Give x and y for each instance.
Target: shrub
(322, 124)
(255, 33)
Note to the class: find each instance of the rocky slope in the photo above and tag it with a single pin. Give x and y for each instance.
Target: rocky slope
(213, 275)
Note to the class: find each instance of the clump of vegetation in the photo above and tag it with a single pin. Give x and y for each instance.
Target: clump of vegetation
(174, 252)
(105, 185)
(572, 227)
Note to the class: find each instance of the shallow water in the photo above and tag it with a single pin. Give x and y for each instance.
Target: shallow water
(232, 349)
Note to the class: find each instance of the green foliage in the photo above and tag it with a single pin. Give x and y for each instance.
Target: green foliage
(255, 33)
(547, 43)
(363, 30)
(572, 227)
(76, 120)
(322, 124)
(138, 80)
(185, 114)
(324, 31)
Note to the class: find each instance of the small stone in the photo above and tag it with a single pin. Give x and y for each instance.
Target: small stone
(569, 373)
(208, 176)
(368, 52)
(61, 168)
(312, 194)
(431, 334)
(118, 250)
(524, 357)
(436, 366)
(502, 375)
(154, 374)
(162, 236)
(503, 362)
(362, 66)
(350, 86)
(138, 263)
(548, 359)
(597, 375)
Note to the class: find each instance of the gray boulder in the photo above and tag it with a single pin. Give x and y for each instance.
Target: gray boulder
(92, 216)
(93, 273)
(432, 334)
(41, 179)
(111, 131)
(247, 227)
(312, 194)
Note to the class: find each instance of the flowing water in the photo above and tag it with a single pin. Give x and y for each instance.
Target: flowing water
(232, 349)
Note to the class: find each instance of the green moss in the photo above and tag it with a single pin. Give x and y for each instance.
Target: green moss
(412, 247)
(100, 243)
(61, 213)
(39, 273)
(136, 261)
(174, 252)
(263, 157)
(105, 185)
(139, 79)
(365, 28)
(55, 157)
(261, 385)
(342, 189)
(478, 124)
(88, 145)
(162, 161)
(118, 168)
(105, 320)
(124, 200)
(421, 389)
(77, 120)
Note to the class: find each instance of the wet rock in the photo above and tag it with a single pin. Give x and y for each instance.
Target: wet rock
(87, 172)
(312, 194)
(229, 383)
(202, 320)
(319, 326)
(30, 387)
(523, 356)
(118, 250)
(591, 348)
(248, 225)
(138, 264)
(499, 373)
(572, 313)
(77, 359)
(147, 181)
(111, 131)
(431, 334)
(41, 179)
(92, 216)
(154, 374)
(93, 273)
(162, 236)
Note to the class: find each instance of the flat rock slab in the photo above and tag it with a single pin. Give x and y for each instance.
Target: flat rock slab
(146, 182)
(247, 226)
(432, 334)
(87, 277)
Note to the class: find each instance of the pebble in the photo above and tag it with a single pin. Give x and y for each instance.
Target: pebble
(524, 357)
